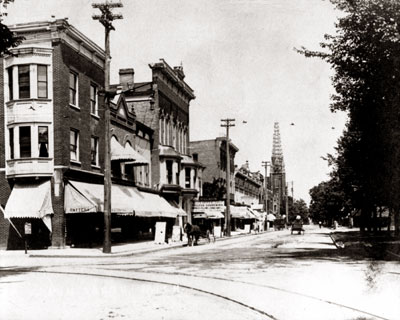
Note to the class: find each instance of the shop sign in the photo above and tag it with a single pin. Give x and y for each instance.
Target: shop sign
(201, 206)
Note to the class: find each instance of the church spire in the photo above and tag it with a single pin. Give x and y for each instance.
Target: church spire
(277, 154)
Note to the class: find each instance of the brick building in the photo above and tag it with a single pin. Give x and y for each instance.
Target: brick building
(51, 155)
(212, 154)
(248, 186)
(163, 105)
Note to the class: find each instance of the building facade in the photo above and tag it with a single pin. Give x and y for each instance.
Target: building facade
(52, 153)
(248, 186)
(163, 105)
(52, 115)
(212, 154)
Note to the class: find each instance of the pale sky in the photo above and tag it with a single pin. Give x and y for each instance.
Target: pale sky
(238, 57)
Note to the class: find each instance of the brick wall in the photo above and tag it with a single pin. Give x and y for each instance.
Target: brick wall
(66, 117)
(208, 155)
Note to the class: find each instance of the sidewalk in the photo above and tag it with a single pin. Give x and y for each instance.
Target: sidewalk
(117, 250)
(381, 245)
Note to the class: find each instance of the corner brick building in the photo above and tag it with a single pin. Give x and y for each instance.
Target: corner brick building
(52, 145)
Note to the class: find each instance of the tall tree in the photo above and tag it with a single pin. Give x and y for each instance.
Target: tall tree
(364, 54)
(8, 39)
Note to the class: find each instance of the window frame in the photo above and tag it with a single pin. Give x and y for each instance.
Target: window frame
(96, 150)
(76, 146)
(46, 96)
(22, 152)
(75, 90)
(28, 83)
(94, 102)
(39, 143)
(10, 83)
(11, 144)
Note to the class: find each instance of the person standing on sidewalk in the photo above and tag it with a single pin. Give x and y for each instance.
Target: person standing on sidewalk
(320, 224)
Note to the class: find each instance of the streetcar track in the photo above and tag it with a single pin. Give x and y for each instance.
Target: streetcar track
(140, 270)
(160, 282)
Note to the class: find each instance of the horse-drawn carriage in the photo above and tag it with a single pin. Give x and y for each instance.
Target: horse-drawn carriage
(194, 233)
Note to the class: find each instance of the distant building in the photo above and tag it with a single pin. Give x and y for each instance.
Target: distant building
(212, 154)
(248, 186)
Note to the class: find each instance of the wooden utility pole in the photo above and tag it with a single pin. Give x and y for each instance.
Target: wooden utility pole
(227, 123)
(265, 164)
(106, 18)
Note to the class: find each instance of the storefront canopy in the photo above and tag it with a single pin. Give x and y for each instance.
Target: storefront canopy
(118, 152)
(139, 159)
(30, 201)
(241, 212)
(87, 197)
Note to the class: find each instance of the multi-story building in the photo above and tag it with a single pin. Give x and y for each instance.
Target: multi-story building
(163, 105)
(52, 153)
(212, 154)
(248, 186)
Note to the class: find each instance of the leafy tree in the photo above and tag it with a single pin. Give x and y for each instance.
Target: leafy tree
(215, 190)
(298, 208)
(7, 38)
(364, 54)
(328, 202)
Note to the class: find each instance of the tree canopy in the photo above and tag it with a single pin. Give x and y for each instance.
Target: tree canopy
(364, 54)
(7, 38)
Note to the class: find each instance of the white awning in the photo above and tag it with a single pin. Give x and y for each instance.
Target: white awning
(181, 212)
(118, 152)
(139, 159)
(87, 197)
(241, 212)
(30, 201)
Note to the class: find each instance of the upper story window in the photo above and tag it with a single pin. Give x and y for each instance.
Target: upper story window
(10, 83)
(42, 81)
(169, 171)
(187, 177)
(22, 77)
(94, 151)
(73, 89)
(24, 81)
(43, 141)
(93, 100)
(11, 142)
(25, 142)
(74, 144)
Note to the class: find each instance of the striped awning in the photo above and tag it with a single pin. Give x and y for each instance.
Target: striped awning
(31, 200)
(120, 153)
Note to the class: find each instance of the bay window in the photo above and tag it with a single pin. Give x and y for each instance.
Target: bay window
(42, 81)
(43, 141)
(25, 142)
(24, 82)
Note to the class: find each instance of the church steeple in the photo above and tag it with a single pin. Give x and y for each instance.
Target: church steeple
(277, 154)
(278, 173)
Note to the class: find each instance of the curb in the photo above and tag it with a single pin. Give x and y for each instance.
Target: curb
(133, 252)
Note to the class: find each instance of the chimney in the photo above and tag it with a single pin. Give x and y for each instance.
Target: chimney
(126, 77)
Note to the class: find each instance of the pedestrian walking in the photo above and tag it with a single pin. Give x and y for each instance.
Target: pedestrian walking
(320, 224)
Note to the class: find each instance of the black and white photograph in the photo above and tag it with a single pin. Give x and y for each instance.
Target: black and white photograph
(200, 159)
